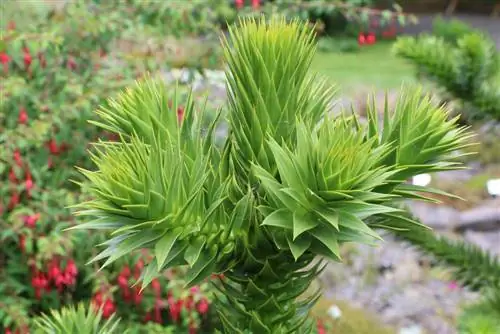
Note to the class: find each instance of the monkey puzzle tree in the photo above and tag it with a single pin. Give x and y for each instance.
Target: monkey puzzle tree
(291, 183)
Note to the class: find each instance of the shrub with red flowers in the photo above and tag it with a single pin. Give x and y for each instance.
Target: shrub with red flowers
(334, 16)
(53, 74)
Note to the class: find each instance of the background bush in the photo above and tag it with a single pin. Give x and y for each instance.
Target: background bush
(56, 70)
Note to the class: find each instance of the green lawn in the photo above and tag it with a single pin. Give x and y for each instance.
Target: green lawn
(373, 67)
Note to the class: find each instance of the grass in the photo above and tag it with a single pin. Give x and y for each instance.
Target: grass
(373, 67)
(352, 320)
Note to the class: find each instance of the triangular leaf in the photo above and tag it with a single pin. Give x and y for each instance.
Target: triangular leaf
(302, 224)
(279, 218)
(194, 250)
(299, 246)
(164, 246)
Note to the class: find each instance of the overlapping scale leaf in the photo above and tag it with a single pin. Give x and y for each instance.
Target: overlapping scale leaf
(324, 189)
(269, 86)
(269, 297)
(150, 111)
(315, 182)
(421, 136)
(159, 190)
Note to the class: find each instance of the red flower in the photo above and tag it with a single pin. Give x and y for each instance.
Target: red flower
(122, 281)
(23, 116)
(137, 295)
(11, 25)
(12, 176)
(71, 64)
(14, 200)
(148, 317)
(453, 285)
(155, 284)
(59, 281)
(125, 271)
(174, 308)
(203, 306)
(69, 279)
(239, 3)
(4, 58)
(97, 300)
(17, 158)
(27, 59)
(320, 327)
(138, 268)
(53, 148)
(192, 328)
(361, 39)
(108, 309)
(255, 4)
(35, 281)
(180, 113)
(30, 221)
(28, 182)
(126, 295)
(71, 268)
(371, 38)
(158, 318)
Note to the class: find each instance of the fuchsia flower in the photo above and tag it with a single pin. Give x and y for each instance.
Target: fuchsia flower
(23, 116)
(320, 327)
(30, 221)
(27, 59)
(203, 306)
(371, 38)
(453, 285)
(5, 59)
(361, 39)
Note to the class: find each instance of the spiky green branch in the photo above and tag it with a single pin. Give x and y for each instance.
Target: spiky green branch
(75, 320)
(290, 183)
(471, 266)
(468, 70)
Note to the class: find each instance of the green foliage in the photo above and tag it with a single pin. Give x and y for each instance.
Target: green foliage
(482, 318)
(75, 320)
(468, 71)
(289, 184)
(148, 328)
(451, 30)
(473, 268)
(57, 66)
(352, 320)
(328, 44)
(336, 16)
